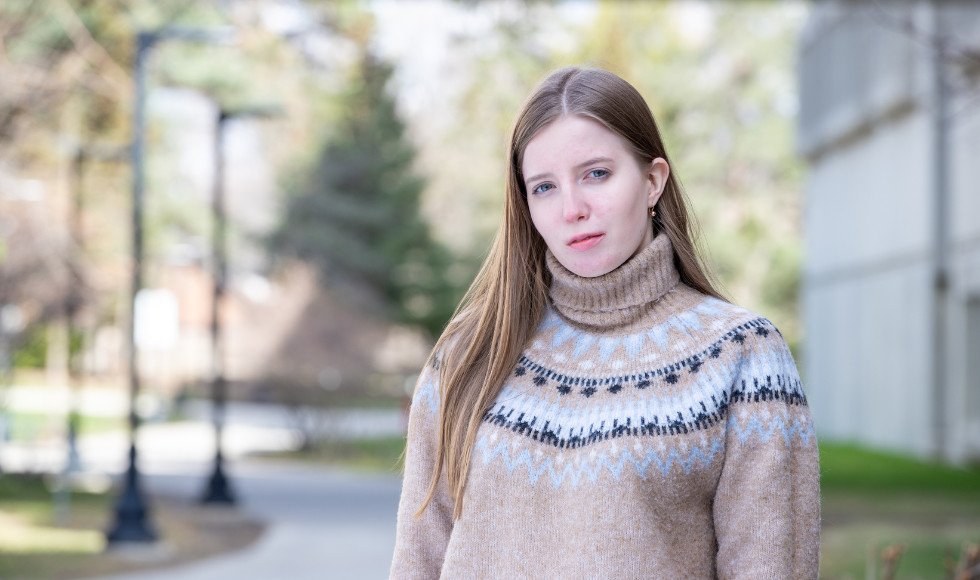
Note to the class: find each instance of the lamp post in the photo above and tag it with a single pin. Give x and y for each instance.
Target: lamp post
(219, 489)
(103, 152)
(131, 514)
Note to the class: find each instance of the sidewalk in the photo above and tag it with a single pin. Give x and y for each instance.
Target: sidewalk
(323, 524)
(249, 428)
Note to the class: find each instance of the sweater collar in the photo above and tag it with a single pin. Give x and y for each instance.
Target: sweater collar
(618, 297)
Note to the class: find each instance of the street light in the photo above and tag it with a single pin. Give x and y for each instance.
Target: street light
(219, 490)
(131, 517)
(84, 152)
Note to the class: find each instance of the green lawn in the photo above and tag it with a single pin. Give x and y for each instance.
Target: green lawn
(31, 426)
(32, 543)
(851, 468)
(377, 455)
(872, 500)
(35, 546)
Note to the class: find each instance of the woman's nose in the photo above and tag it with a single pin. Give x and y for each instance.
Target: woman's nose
(574, 205)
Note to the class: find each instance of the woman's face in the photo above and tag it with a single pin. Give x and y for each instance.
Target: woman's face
(589, 196)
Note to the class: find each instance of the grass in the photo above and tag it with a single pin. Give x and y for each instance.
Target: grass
(372, 455)
(30, 426)
(873, 499)
(851, 468)
(34, 546)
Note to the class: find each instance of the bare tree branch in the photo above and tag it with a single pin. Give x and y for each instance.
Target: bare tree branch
(90, 50)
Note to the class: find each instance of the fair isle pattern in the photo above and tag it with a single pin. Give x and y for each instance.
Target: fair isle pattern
(703, 406)
(639, 455)
(524, 411)
(672, 334)
(720, 386)
(709, 380)
(707, 402)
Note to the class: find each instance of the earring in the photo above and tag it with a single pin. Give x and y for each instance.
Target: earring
(653, 212)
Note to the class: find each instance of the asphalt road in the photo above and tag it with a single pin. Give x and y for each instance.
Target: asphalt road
(323, 524)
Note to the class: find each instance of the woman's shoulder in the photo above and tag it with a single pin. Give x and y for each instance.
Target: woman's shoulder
(729, 321)
(755, 346)
(427, 384)
(695, 315)
(709, 308)
(741, 345)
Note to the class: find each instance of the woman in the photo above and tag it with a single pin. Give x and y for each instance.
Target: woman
(597, 410)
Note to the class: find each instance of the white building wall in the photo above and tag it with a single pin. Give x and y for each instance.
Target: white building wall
(963, 358)
(867, 288)
(970, 433)
(866, 127)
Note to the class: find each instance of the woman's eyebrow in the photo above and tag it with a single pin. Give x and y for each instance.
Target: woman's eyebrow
(593, 161)
(580, 166)
(536, 177)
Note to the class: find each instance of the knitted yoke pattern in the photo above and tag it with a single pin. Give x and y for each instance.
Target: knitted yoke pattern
(647, 431)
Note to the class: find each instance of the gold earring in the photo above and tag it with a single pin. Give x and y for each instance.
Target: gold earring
(653, 212)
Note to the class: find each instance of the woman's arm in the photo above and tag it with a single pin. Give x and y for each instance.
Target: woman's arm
(767, 505)
(420, 545)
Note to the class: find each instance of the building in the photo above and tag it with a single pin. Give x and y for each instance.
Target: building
(889, 123)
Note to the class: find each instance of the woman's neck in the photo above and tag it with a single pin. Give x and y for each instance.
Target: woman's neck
(619, 297)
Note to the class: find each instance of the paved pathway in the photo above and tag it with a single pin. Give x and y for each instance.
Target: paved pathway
(250, 428)
(323, 524)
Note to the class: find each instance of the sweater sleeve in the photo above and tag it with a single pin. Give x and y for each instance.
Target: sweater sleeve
(420, 543)
(767, 504)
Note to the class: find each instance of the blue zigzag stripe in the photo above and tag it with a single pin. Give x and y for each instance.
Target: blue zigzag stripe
(592, 469)
(801, 427)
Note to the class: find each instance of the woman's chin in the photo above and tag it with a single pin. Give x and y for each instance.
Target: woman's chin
(591, 266)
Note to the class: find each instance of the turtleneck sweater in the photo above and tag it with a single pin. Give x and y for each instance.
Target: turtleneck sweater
(647, 431)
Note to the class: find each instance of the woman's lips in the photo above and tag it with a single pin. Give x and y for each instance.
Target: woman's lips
(586, 243)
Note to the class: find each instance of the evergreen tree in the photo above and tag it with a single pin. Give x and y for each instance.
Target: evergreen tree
(355, 214)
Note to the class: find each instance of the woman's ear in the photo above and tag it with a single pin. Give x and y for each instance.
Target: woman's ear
(657, 175)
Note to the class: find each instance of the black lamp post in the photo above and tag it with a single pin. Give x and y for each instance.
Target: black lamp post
(131, 513)
(219, 489)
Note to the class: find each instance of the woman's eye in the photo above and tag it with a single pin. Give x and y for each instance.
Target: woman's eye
(543, 188)
(598, 173)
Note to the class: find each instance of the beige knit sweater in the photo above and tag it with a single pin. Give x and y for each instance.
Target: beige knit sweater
(647, 431)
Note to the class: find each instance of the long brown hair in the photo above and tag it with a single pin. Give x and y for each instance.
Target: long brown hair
(502, 308)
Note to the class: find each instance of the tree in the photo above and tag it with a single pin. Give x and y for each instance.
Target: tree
(354, 215)
(65, 94)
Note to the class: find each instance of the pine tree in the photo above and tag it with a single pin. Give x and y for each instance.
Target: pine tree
(355, 214)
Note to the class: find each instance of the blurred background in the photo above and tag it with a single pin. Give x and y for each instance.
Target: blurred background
(282, 202)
